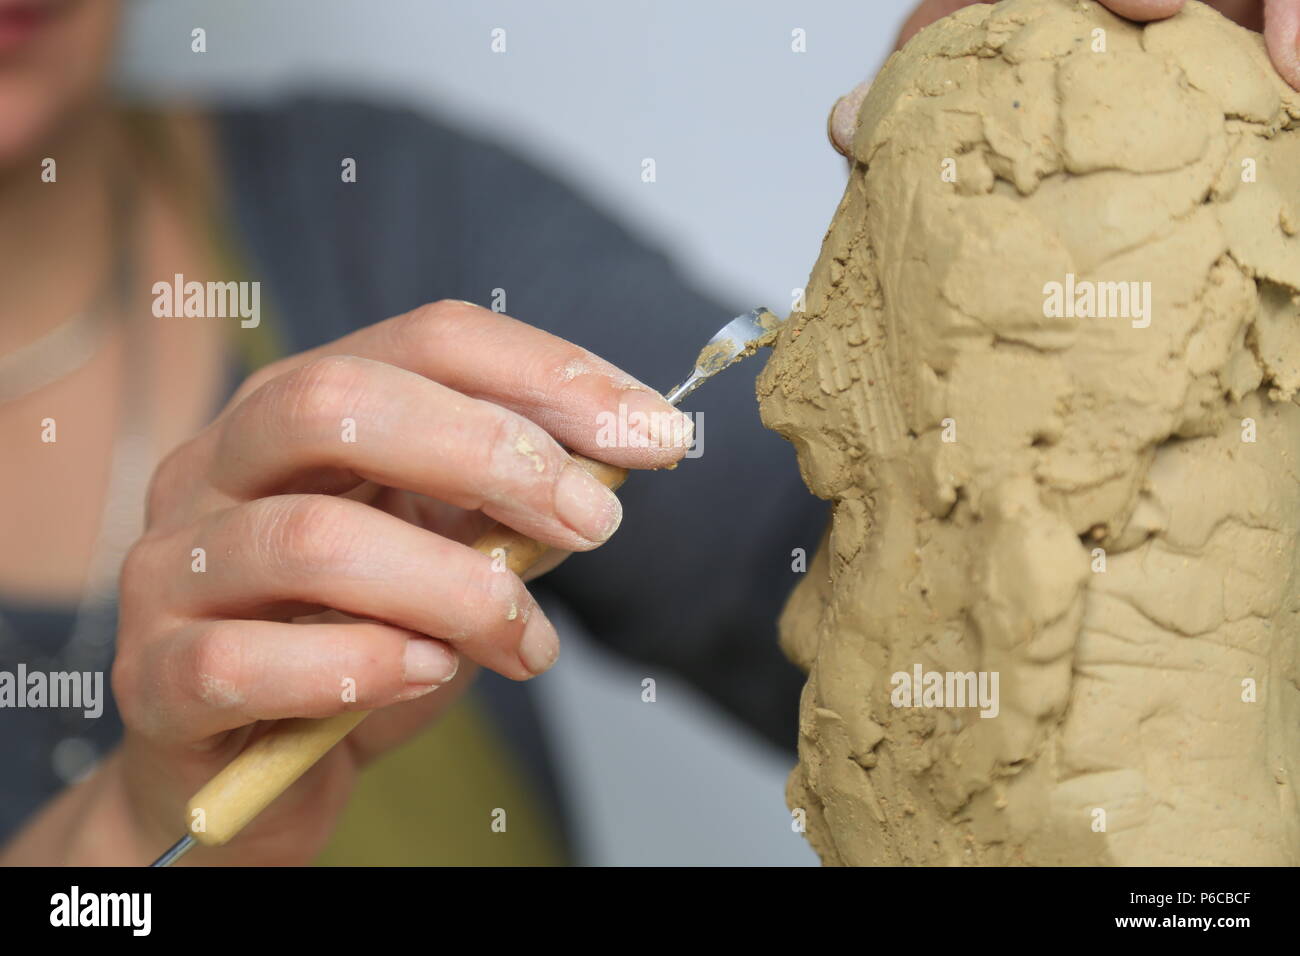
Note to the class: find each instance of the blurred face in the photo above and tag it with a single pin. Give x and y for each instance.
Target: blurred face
(53, 58)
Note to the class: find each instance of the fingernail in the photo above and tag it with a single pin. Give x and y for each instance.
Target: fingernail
(540, 645)
(683, 430)
(652, 422)
(585, 505)
(429, 662)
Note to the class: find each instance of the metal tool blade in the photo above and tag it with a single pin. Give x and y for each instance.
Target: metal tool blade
(739, 338)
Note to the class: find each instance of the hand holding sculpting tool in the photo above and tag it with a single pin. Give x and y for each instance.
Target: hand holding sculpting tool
(248, 784)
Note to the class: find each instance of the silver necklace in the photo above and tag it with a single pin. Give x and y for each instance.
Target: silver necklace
(53, 356)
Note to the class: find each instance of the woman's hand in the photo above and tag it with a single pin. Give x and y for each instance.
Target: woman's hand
(1278, 19)
(316, 537)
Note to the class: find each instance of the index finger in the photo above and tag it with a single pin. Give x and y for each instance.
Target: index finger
(588, 404)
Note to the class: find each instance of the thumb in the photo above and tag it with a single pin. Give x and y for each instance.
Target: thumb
(1282, 36)
(844, 115)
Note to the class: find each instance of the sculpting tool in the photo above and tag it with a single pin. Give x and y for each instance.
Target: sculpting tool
(248, 784)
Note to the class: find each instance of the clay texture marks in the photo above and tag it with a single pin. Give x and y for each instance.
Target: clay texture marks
(1048, 374)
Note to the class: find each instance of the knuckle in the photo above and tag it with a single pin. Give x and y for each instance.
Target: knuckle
(212, 668)
(493, 447)
(139, 611)
(126, 683)
(167, 484)
(495, 604)
(417, 332)
(438, 312)
(516, 457)
(420, 322)
(303, 533)
(138, 577)
(314, 397)
(568, 363)
(258, 379)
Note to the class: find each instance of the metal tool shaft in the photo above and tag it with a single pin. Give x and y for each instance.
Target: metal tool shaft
(178, 850)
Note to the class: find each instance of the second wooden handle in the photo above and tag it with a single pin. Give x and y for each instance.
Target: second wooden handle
(269, 766)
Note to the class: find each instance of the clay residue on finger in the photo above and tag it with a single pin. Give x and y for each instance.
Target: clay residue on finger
(573, 368)
(1047, 374)
(578, 367)
(524, 447)
(220, 692)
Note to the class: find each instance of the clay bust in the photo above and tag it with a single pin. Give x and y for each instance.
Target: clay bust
(1047, 372)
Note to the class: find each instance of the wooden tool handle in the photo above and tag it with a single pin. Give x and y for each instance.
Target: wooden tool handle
(268, 767)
